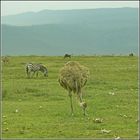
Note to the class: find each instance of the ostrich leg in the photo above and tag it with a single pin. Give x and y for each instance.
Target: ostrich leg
(70, 95)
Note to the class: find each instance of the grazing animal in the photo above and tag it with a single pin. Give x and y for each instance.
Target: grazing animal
(5, 59)
(131, 54)
(73, 78)
(31, 69)
(67, 56)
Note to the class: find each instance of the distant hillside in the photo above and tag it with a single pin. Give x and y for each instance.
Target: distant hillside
(98, 31)
(89, 16)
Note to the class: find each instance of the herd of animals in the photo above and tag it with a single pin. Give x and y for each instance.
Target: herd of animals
(72, 77)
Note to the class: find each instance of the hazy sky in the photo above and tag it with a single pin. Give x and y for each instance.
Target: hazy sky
(15, 7)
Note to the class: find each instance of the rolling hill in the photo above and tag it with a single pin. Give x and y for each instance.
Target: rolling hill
(88, 32)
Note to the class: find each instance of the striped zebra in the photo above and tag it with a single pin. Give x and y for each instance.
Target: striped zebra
(31, 69)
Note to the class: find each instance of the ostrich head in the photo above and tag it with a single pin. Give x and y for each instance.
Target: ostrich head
(84, 106)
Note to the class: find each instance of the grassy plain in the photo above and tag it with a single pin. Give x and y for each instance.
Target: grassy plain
(43, 106)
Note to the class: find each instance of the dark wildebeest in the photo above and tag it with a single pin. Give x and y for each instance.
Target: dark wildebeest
(131, 54)
(35, 68)
(67, 55)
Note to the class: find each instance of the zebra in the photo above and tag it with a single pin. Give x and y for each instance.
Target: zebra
(35, 68)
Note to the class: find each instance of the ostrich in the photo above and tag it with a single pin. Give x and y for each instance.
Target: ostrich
(73, 78)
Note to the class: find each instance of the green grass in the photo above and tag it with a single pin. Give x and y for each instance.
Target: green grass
(53, 120)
